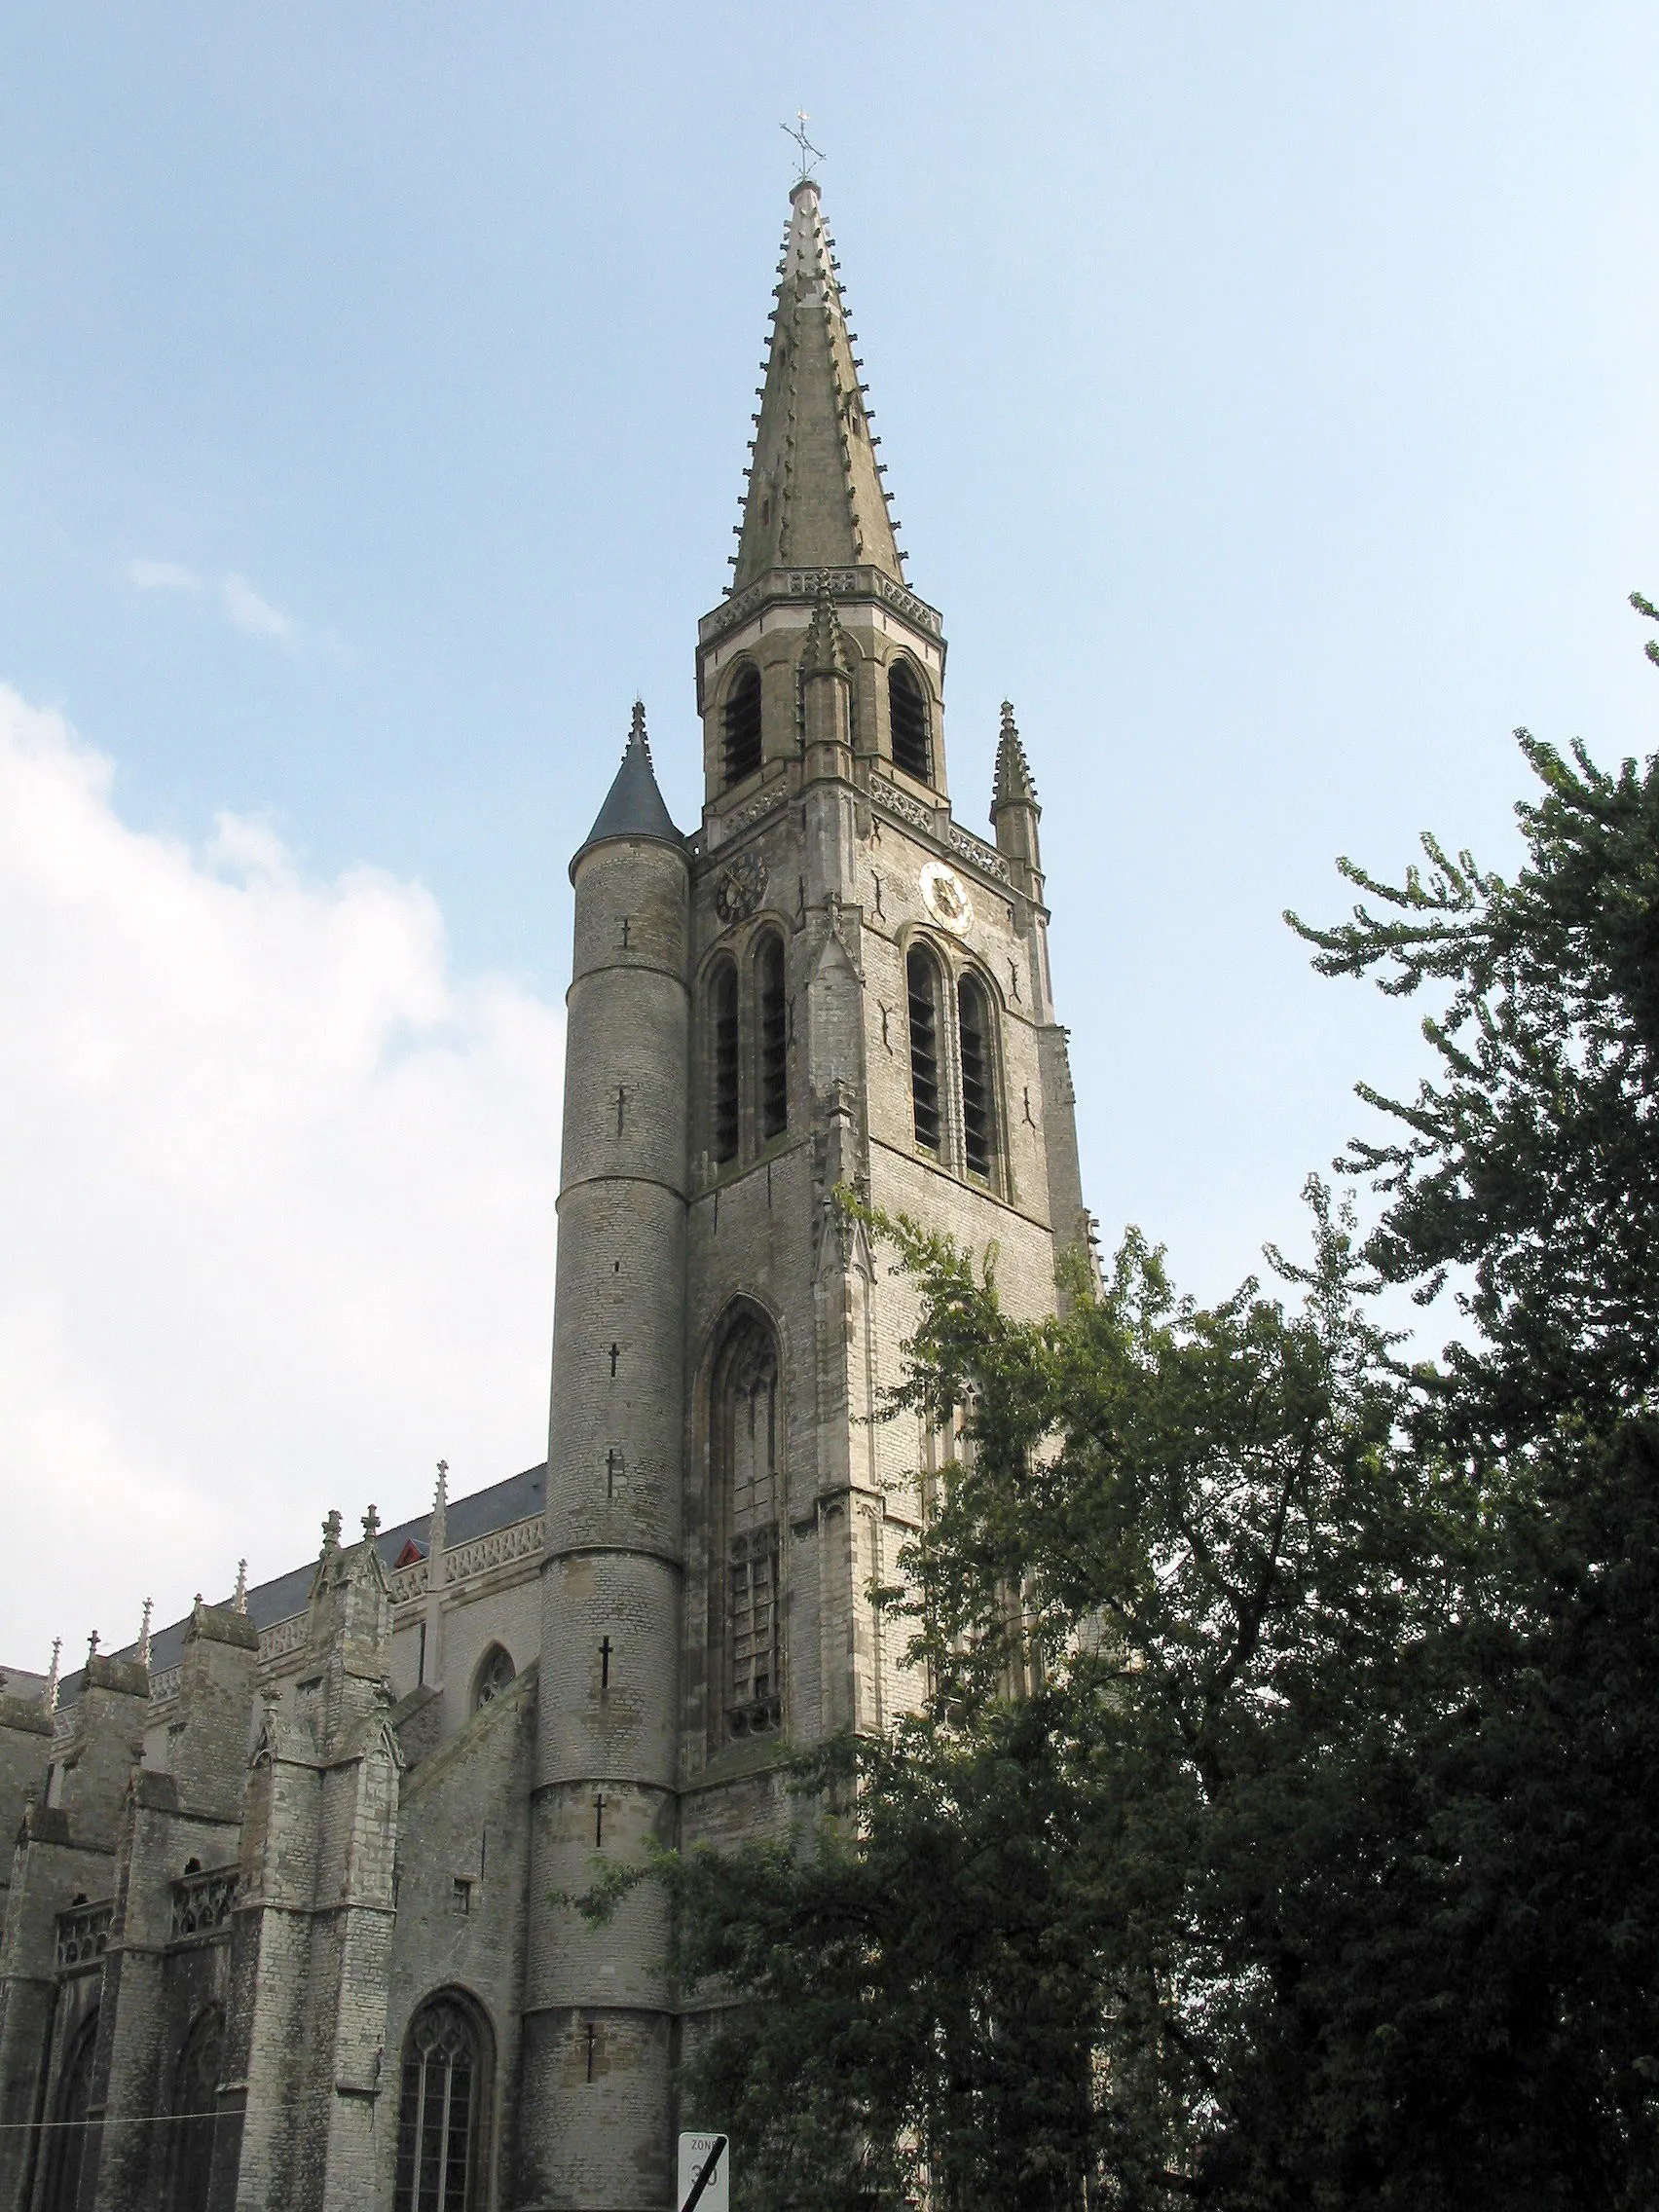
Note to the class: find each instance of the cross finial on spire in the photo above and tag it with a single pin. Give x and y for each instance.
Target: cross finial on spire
(371, 1523)
(809, 153)
(92, 1647)
(238, 1596)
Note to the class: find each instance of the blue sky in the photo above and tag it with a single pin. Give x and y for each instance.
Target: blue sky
(1268, 399)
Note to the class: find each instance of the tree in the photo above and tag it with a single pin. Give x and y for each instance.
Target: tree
(1028, 1960)
(1533, 1160)
(1318, 1867)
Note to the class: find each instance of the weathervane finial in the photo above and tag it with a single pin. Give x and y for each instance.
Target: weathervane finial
(809, 153)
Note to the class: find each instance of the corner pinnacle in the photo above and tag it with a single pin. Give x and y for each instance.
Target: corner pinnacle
(1014, 784)
(825, 650)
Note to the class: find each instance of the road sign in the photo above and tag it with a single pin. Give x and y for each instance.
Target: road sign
(705, 2173)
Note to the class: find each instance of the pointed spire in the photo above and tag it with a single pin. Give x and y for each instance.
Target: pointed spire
(144, 1633)
(633, 806)
(1015, 785)
(815, 496)
(50, 1697)
(437, 1532)
(238, 1596)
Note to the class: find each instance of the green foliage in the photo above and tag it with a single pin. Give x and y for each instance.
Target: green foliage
(1278, 1829)
(1533, 1160)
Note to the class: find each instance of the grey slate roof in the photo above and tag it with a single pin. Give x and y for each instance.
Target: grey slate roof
(634, 806)
(465, 1519)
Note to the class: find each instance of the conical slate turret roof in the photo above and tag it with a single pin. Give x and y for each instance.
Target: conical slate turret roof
(633, 806)
(815, 497)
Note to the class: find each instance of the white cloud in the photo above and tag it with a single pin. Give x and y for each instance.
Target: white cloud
(253, 616)
(276, 1220)
(162, 576)
(244, 608)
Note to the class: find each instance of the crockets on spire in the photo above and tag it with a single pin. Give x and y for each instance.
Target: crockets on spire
(815, 497)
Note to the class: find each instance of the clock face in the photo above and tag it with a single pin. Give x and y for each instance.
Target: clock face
(945, 897)
(741, 888)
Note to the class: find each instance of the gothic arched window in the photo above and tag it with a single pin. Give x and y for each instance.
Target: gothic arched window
(741, 727)
(66, 2155)
(440, 2115)
(978, 1077)
(746, 1649)
(195, 2113)
(773, 1034)
(495, 1670)
(722, 1042)
(921, 981)
(907, 715)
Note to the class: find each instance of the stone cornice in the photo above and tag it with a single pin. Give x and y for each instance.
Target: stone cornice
(801, 586)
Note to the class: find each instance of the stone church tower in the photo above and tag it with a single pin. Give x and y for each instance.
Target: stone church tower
(286, 1928)
(830, 982)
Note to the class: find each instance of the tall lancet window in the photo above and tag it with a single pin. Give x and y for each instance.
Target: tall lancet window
(441, 2109)
(746, 1425)
(921, 977)
(907, 715)
(66, 2138)
(742, 725)
(196, 2098)
(773, 1037)
(978, 1079)
(724, 1060)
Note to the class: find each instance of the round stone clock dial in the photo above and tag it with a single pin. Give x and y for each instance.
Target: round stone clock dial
(741, 888)
(945, 897)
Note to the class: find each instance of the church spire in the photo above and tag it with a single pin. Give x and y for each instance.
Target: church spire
(815, 497)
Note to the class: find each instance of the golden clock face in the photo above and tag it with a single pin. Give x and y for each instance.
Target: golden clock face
(945, 897)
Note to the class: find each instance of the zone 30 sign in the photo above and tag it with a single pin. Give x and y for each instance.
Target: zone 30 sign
(705, 2174)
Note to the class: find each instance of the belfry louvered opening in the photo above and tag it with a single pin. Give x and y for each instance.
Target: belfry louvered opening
(979, 1085)
(723, 1027)
(921, 977)
(741, 725)
(907, 715)
(774, 1038)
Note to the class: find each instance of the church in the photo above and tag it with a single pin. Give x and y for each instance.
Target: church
(283, 1925)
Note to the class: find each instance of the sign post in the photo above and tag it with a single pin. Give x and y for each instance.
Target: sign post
(705, 2173)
